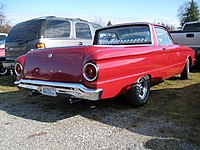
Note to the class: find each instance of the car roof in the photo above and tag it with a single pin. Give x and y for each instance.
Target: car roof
(192, 22)
(60, 18)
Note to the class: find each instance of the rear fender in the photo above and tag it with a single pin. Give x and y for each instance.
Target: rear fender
(21, 60)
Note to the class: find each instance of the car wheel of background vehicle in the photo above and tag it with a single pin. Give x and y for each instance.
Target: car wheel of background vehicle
(186, 71)
(3, 71)
(139, 93)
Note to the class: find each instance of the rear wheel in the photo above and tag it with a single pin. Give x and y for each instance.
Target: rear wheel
(139, 93)
(186, 71)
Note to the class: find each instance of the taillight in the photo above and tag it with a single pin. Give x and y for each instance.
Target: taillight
(40, 45)
(90, 72)
(18, 69)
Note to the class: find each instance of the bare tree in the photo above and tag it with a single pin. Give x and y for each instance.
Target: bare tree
(2, 17)
(98, 20)
(4, 24)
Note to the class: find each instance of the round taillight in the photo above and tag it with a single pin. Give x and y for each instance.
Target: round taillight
(18, 69)
(90, 71)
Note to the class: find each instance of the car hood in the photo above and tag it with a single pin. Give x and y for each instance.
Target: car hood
(55, 64)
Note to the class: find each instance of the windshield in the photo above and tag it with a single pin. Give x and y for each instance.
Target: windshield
(24, 31)
(137, 34)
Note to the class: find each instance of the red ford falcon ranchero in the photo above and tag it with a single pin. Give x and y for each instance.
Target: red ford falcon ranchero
(123, 60)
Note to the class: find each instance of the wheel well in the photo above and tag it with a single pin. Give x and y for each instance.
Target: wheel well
(2, 58)
(190, 61)
(149, 75)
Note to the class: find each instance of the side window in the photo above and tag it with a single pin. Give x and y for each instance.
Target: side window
(96, 26)
(163, 37)
(57, 29)
(83, 31)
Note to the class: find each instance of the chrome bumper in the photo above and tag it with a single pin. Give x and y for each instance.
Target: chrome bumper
(8, 64)
(71, 89)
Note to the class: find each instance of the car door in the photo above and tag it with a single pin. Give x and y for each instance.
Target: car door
(170, 53)
(83, 34)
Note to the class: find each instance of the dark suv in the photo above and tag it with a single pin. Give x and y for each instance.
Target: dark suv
(47, 32)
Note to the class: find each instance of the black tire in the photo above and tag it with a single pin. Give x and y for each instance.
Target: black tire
(138, 95)
(3, 71)
(186, 71)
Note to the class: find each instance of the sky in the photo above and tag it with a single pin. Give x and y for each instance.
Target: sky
(100, 11)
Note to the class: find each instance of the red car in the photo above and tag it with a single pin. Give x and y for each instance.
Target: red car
(123, 60)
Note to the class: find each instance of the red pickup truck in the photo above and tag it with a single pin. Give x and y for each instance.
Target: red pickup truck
(123, 60)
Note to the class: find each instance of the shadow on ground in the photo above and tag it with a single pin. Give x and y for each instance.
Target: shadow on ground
(172, 115)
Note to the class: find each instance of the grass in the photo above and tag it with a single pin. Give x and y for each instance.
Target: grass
(177, 101)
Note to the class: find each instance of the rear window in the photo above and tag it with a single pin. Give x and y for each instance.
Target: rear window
(25, 31)
(57, 29)
(137, 34)
(192, 27)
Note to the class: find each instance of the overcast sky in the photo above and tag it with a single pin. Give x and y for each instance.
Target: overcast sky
(118, 11)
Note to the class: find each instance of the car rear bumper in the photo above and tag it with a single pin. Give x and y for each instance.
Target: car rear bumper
(70, 89)
(8, 64)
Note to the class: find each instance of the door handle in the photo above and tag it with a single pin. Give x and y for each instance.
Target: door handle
(189, 35)
(164, 48)
(80, 43)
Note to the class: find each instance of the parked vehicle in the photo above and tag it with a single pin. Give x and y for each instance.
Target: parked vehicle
(124, 60)
(47, 32)
(189, 36)
(3, 71)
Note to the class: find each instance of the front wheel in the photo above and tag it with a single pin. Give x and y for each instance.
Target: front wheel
(186, 71)
(139, 93)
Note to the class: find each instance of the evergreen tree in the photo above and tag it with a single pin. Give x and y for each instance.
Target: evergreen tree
(188, 12)
(109, 23)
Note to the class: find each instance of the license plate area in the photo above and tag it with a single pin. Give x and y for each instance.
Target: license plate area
(47, 90)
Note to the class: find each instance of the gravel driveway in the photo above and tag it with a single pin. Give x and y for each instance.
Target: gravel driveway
(52, 123)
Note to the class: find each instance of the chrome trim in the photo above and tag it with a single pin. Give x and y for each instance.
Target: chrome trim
(8, 64)
(85, 76)
(72, 89)
(50, 55)
(18, 74)
(150, 28)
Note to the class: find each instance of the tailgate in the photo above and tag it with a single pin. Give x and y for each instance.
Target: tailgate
(187, 38)
(55, 64)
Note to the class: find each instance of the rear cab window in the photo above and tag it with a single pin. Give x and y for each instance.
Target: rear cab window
(193, 27)
(25, 31)
(57, 29)
(124, 35)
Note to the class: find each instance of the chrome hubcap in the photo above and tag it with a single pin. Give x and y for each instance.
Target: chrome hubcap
(142, 88)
